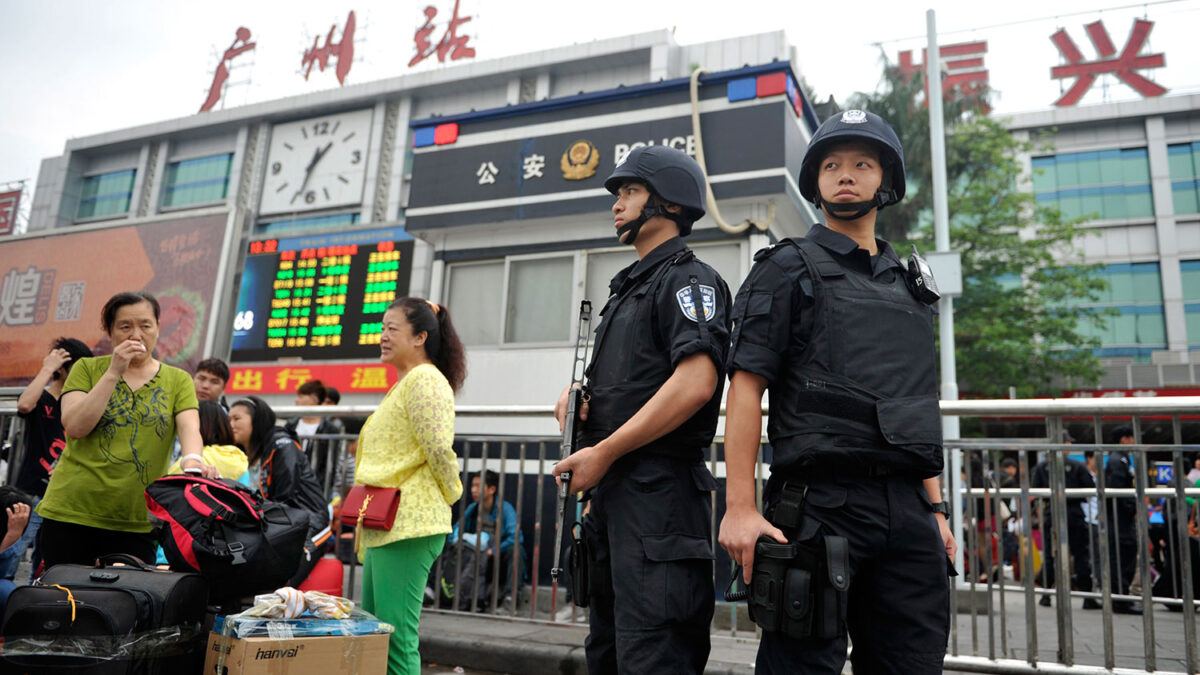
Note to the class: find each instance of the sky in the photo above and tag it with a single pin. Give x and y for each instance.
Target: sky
(73, 68)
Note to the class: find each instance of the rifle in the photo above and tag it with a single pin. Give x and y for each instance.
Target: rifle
(570, 431)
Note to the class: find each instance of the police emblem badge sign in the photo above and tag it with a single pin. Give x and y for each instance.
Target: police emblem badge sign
(688, 306)
(580, 160)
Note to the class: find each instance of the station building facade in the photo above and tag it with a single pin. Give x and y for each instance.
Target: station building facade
(1132, 171)
(280, 229)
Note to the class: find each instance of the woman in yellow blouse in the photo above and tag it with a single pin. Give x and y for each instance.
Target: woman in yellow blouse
(406, 443)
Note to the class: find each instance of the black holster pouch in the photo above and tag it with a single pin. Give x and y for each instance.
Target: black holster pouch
(589, 575)
(800, 588)
(580, 567)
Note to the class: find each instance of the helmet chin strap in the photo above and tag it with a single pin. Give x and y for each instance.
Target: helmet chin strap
(628, 232)
(854, 210)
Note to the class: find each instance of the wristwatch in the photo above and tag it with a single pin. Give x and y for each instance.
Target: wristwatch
(942, 508)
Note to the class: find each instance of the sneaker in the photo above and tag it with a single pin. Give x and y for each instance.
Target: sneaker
(1044, 601)
(1092, 603)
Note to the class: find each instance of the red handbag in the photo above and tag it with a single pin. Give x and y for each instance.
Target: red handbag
(371, 507)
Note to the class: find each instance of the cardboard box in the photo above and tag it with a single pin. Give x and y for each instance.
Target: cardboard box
(325, 655)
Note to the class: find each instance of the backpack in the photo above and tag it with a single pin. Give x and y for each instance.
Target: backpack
(241, 543)
(458, 594)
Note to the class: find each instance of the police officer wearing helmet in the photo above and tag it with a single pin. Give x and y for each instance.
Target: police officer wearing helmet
(654, 392)
(854, 537)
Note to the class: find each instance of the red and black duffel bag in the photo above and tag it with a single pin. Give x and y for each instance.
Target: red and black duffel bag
(240, 543)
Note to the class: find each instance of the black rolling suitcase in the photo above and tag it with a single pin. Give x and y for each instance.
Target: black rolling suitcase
(106, 619)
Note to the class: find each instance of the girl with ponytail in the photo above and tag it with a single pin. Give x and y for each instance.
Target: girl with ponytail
(407, 443)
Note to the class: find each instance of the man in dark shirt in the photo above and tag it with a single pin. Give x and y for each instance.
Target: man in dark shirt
(1075, 475)
(841, 334)
(1122, 521)
(654, 388)
(39, 407)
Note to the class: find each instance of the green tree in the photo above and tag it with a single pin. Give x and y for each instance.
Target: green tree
(1022, 316)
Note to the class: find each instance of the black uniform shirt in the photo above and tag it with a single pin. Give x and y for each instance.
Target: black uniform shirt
(771, 328)
(648, 326)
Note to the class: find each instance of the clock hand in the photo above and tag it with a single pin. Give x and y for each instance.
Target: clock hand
(312, 164)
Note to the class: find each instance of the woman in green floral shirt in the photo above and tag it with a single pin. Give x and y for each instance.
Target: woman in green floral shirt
(407, 443)
(121, 414)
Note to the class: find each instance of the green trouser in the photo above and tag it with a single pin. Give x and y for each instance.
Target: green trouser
(393, 588)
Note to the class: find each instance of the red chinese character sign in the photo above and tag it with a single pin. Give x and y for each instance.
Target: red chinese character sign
(8, 211)
(451, 44)
(1122, 65)
(962, 63)
(241, 43)
(344, 51)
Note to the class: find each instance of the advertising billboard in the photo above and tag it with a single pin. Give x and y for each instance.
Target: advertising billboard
(56, 285)
(319, 297)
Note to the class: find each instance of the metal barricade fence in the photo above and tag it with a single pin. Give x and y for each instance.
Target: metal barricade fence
(996, 626)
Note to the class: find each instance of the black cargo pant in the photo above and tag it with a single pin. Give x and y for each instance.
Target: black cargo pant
(898, 613)
(650, 534)
(1079, 544)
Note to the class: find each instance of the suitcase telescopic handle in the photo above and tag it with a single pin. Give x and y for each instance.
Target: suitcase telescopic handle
(128, 559)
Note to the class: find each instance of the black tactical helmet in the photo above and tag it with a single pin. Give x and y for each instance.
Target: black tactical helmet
(669, 173)
(856, 125)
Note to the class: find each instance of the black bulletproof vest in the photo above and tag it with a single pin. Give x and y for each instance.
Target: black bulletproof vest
(867, 369)
(631, 362)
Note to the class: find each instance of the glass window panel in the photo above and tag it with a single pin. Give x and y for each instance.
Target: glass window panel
(601, 268)
(1193, 328)
(1136, 164)
(1089, 168)
(539, 300)
(1044, 175)
(1184, 199)
(1091, 204)
(475, 298)
(196, 181)
(1114, 202)
(1190, 277)
(1110, 167)
(1124, 329)
(1072, 207)
(1151, 329)
(1068, 172)
(1139, 204)
(1147, 287)
(1179, 161)
(1122, 287)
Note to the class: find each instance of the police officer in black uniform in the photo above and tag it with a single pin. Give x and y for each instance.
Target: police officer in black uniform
(855, 534)
(654, 393)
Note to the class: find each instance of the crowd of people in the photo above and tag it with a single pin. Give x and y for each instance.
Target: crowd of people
(1001, 537)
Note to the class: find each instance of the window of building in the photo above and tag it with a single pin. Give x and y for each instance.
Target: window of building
(1104, 184)
(197, 181)
(106, 194)
(476, 298)
(1184, 162)
(1190, 271)
(293, 225)
(1135, 290)
(531, 299)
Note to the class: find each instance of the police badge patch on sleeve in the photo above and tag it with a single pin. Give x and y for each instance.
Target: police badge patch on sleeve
(688, 306)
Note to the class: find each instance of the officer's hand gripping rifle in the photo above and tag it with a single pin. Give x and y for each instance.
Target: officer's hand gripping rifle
(575, 398)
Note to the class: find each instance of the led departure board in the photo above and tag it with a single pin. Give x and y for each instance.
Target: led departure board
(319, 297)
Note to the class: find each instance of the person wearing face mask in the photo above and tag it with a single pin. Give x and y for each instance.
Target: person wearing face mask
(121, 414)
(653, 394)
(854, 535)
